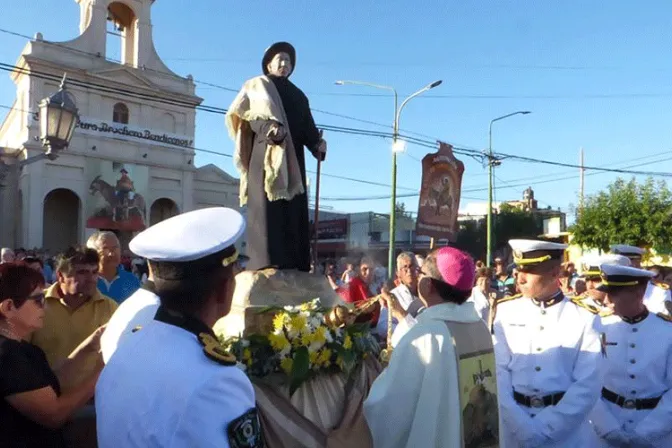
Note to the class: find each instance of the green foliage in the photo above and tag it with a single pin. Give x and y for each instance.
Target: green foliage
(627, 213)
(300, 369)
(509, 223)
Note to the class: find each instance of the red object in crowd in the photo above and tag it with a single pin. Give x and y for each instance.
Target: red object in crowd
(357, 292)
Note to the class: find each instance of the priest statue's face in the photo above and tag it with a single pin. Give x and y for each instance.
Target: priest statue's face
(280, 65)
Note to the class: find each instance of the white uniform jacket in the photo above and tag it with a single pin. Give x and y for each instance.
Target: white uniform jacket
(655, 297)
(160, 390)
(133, 313)
(637, 365)
(540, 351)
(415, 401)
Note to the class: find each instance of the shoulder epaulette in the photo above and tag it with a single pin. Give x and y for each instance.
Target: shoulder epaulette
(214, 350)
(585, 306)
(664, 317)
(509, 298)
(606, 312)
(661, 285)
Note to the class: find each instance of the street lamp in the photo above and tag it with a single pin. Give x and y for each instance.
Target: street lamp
(58, 118)
(491, 163)
(396, 147)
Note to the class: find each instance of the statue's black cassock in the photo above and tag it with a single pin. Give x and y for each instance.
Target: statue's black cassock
(278, 232)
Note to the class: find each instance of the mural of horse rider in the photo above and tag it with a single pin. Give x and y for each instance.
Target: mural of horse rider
(122, 207)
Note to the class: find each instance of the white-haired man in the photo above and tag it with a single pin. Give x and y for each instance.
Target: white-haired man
(113, 280)
(6, 255)
(405, 294)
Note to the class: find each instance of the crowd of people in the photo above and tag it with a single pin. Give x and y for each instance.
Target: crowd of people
(574, 363)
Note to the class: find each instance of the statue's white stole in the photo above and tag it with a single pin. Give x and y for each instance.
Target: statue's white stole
(476, 371)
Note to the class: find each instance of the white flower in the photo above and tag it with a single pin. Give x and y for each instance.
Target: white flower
(285, 352)
(289, 308)
(245, 343)
(329, 337)
(315, 322)
(315, 346)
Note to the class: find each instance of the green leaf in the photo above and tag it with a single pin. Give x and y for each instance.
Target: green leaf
(300, 369)
(259, 339)
(349, 361)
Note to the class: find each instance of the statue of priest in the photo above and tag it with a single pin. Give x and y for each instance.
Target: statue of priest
(270, 122)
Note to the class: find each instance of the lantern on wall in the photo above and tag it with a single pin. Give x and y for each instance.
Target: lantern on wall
(58, 118)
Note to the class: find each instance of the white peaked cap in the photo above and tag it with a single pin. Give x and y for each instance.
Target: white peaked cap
(524, 246)
(599, 260)
(625, 249)
(190, 236)
(610, 271)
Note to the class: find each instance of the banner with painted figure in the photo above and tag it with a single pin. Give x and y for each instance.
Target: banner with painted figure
(440, 194)
(116, 196)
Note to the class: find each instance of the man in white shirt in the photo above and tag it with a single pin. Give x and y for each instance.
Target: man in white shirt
(439, 389)
(548, 351)
(635, 407)
(405, 294)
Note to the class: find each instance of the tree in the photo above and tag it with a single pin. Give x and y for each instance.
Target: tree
(510, 223)
(400, 209)
(627, 213)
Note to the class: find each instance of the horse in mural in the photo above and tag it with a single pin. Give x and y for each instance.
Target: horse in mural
(121, 205)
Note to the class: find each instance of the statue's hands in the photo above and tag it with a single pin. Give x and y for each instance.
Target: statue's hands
(276, 133)
(321, 152)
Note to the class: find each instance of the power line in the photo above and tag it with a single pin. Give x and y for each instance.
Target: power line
(421, 142)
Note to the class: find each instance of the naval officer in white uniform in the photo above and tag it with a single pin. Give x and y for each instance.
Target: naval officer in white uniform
(170, 384)
(595, 299)
(657, 294)
(635, 408)
(547, 351)
(133, 313)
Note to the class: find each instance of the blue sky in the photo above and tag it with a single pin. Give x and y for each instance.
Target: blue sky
(594, 76)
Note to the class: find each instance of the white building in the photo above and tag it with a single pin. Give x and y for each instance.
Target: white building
(130, 163)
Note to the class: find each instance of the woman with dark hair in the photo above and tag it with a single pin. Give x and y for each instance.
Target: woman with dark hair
(33, 409)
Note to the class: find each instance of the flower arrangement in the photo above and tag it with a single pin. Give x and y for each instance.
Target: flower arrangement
(306, 340)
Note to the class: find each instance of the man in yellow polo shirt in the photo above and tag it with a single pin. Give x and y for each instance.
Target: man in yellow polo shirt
(74, 308)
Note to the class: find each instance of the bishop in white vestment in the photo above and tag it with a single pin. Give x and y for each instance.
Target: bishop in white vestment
(439, 389)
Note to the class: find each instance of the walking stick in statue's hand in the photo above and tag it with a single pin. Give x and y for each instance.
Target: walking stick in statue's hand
(317, 203)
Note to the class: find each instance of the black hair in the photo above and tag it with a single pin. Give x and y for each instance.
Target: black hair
(186, 286)
(75, 255)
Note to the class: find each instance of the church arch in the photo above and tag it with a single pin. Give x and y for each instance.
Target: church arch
(121, 32)
(60, 219)
(161, 210)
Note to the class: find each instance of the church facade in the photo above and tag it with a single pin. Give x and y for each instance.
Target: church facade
(131, 160)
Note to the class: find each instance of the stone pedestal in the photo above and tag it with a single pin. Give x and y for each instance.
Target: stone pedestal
(256, 290)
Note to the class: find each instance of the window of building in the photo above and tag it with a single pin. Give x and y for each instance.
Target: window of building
(120, 113)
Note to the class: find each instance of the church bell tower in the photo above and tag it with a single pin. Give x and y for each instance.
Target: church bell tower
(131, 20)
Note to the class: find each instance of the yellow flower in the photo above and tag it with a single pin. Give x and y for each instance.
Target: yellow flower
(314, 358)
(347, 342)
(320, 334)
(340, 363)
(306, 338)
(247, 354)
(297, 323)
(278, 341)
(279, 321)
(249, 362)
(324, 358)
(286, 365)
